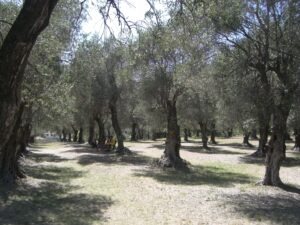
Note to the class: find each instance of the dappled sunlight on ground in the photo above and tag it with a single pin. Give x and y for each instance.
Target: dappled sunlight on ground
(76, 184)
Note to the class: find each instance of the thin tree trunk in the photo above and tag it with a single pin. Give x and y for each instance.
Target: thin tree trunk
(246, 139)
(31, 21)
(171, 156)
(80, 135)
(133, 132)
(69, 136)
(64, 135)
(75, 134)
(213, 134)
(186, 135)
(254, 134)
(297, 140)
(203, 128)
(91, 139)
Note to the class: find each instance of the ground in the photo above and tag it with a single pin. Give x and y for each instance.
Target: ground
(71, 184)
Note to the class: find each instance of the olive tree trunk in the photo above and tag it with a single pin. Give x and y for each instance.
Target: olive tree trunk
(80, 135)
(171, 156)
(17, 45)
(91, 139)
(276, 148)
(133, 132)
(203, 129)
(213, 134)
(101, 129)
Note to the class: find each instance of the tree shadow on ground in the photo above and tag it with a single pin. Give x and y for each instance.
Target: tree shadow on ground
(83, 150)
(200, 149)
(288, 162)
(47, 197)
(43, 157)
(279, 209)
(51, 203)
(198, 175)
(239, 146)
(113, 158)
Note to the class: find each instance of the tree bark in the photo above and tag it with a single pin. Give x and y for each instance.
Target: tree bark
(186, 135)
(31, 21)
(80, 135)
(276, 147)
(297, 140)
(101, 128)
(263, 136)
(64, 135)
(75, 134)
(69, 137)
(91, 139)
(9, 166)
(115, 124)
(171, 156)
(203, 129)
(133, 132)
(213, 134)
(246, 139)
(254, 134)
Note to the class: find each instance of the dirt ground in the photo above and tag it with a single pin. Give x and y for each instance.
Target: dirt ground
(75, 184)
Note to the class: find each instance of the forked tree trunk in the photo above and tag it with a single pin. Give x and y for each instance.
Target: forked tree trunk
(213, 134)
(80, 135)
(171, 156)
(101, 129)
(32, 19)
(203, 128)
(276, 147)
(133, 132)
(186, 135)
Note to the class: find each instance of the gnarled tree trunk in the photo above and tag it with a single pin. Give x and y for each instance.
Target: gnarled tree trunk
(171, 156)
(276, 147)
(297, 140)
(31, 21)
(116, 125)
(11, 152)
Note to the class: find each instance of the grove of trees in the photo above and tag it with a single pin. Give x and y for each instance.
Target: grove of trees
(210, 68)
